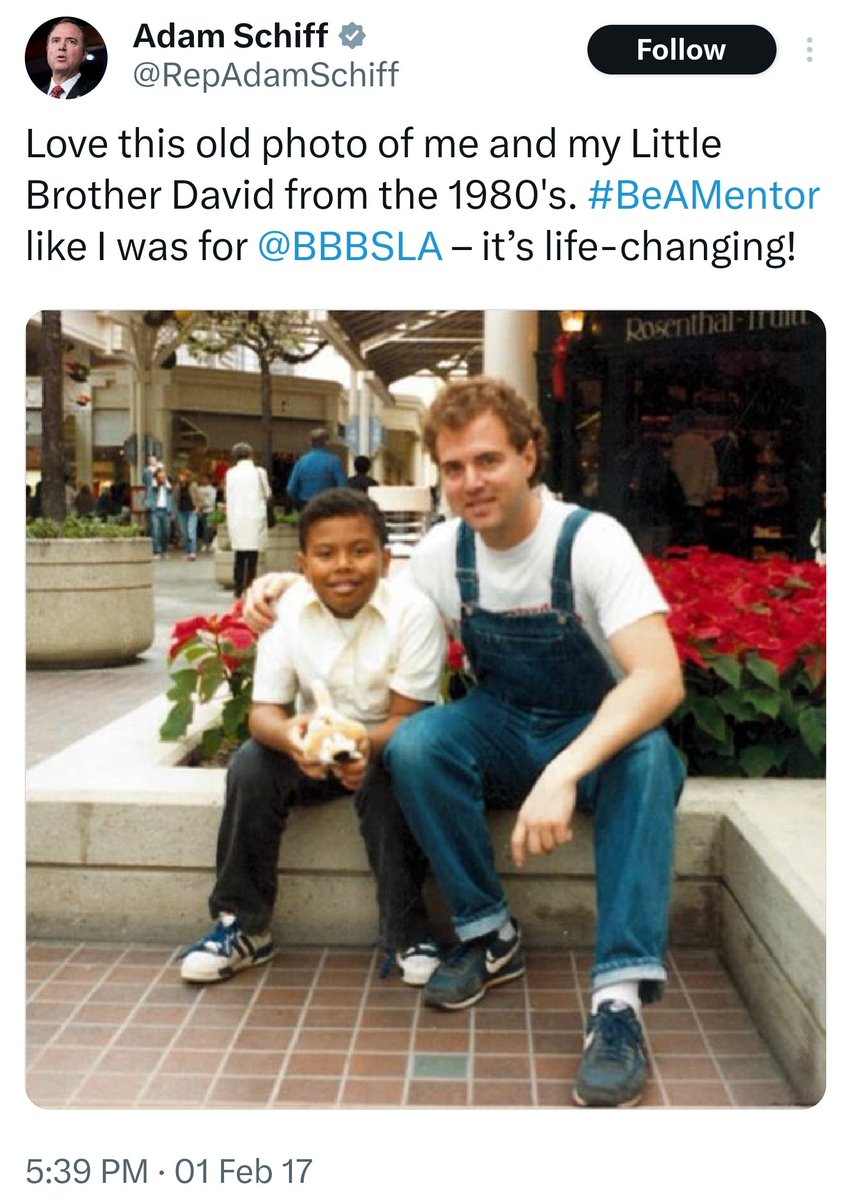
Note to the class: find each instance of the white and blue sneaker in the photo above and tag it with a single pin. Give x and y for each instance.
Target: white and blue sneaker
(224, 951)
(418, 963)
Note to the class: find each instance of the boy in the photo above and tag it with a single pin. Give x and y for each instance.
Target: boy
(378, 645)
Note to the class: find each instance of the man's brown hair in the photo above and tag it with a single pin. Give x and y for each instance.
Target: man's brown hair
(457, 404)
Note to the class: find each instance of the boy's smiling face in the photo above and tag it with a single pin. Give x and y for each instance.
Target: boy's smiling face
(343, 561)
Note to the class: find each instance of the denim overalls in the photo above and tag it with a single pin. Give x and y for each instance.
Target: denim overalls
(540, 679)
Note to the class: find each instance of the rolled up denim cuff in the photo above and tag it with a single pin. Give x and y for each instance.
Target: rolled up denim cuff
(650, 974)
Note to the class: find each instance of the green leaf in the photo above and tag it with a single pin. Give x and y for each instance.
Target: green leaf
(709, 717)
(729, 668)
(210, 677)
(177, 722)
(182, 685)
(790, 711)
(756, 761)
(235, 716)
(736, 705)
(767, 703)
(764, 671)
(812, 723)
(211, 740)
(195, 650)
(802, 765)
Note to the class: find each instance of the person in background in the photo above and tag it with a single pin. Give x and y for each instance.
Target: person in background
(150, 491)
(161, 512)
(362, 480)
(207, 502)
(695, 466)
(104, 504)
(84, 502)
(246, 492)
(315, 471)
(187, 502)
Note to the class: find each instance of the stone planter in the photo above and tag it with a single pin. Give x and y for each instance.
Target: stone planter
(90, 601)
(280, 553)
(282, 548)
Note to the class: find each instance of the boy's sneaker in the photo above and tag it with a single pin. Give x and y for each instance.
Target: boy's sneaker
(224, 951)
(473, 967)
(418, 963)
(614, 1063)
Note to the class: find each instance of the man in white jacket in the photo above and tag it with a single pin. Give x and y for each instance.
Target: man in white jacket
(246, 492)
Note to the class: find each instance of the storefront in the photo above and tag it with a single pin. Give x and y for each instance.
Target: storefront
(617, 388)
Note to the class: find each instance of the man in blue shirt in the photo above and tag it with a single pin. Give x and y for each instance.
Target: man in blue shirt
(315, 471)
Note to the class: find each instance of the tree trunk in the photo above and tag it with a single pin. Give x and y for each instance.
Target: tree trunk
(52, 417)
(266, 413)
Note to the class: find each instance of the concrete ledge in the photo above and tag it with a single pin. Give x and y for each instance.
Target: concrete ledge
(120, 842)
(116, 807)
(773, 925)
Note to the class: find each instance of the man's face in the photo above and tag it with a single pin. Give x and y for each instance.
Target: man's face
(343, 562)
(65, 50)
(486, 480)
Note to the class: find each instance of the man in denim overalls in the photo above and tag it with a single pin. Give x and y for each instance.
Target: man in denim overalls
(575, 672)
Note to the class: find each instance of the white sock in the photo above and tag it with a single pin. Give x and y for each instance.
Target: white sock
(507, 931)
(625, 992)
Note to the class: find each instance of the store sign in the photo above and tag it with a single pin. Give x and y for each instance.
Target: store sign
(640, 328)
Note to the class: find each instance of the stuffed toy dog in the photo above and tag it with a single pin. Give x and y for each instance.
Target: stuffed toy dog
(331, 738)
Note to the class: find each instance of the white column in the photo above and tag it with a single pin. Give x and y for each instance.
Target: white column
(511, 339)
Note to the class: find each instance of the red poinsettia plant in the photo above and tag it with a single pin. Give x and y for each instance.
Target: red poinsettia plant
(752, 638)
(206, 655)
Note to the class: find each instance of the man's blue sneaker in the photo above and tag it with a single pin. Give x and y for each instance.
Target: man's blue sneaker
(472, 967)
(614, 1063)
(224, 951)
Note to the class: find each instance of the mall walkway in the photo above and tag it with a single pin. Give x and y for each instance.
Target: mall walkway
(113, 1025)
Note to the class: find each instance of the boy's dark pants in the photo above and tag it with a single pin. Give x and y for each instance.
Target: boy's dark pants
(262, 785)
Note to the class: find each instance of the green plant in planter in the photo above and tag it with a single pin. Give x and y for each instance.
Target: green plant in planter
(82, 527)
(206, 653)
(751, 637)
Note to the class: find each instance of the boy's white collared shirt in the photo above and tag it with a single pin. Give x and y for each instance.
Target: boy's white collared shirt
(395, 643)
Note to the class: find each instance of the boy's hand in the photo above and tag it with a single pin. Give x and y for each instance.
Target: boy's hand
(351, 774)
(294, 733)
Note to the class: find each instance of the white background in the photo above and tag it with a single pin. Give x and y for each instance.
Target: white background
(464, 69)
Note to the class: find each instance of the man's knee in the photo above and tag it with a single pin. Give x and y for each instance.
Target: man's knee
(417, 742)
(654, 761)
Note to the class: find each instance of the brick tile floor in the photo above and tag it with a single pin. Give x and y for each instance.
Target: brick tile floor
(114, 1026)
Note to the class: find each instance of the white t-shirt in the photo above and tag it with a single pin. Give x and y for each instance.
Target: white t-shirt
(612, 585)
(395, 643)
(207, 496)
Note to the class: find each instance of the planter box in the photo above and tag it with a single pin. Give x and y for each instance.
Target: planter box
(280, 553)
(90, 601)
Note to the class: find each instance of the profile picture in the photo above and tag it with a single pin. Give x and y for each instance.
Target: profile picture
(66, 58)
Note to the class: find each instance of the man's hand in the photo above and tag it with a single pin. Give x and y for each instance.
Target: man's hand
(543, 822)
(258, 606)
